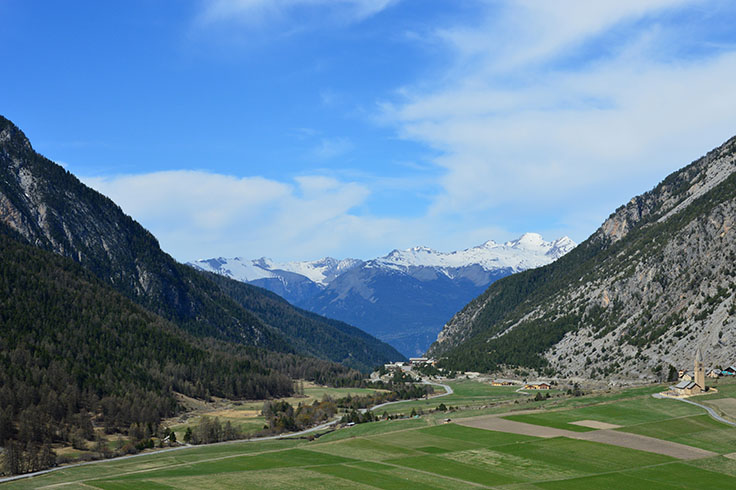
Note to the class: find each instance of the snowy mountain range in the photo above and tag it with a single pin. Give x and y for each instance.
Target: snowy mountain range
(403, 298)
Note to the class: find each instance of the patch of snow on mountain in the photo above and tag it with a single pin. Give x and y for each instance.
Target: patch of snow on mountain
(530, 250)
(237, 268)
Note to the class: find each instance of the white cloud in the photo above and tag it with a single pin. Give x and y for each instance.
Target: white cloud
(519, 32)
(258, 11)
(194, 213)
(523, 124)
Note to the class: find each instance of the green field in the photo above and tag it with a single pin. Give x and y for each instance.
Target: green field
(247, 417)
(638, 410)
(468, 394)
(420, 453)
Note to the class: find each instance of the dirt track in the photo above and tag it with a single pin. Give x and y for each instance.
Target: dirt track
(612, 437)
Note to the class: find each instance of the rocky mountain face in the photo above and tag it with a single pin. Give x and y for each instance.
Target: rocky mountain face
(403, 298)
(656, 281)
(51, 209)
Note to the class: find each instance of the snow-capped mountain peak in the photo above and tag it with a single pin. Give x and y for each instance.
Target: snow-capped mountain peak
(403, 297)
(529, 250)
(560, 247)
(320, 271)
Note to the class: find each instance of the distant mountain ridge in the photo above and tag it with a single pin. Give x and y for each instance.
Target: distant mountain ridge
(655, 282)
(403, 297)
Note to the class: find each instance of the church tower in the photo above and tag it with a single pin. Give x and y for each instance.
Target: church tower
(699, 371)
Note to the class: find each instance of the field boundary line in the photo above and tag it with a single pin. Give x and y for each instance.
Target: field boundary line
(397, 466)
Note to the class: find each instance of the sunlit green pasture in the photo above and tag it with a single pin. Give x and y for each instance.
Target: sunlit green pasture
(440, 456)
(627, 412)
(467, 394)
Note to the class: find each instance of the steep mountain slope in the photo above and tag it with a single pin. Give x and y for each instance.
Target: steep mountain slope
(654, 282)
(404, 297)
(310, 333)
(69, 343)
(51, 209)
(74, 352)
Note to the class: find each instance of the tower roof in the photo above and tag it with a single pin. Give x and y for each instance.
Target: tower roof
(698, 356)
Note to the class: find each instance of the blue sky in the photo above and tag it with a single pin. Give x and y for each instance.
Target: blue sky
(296, 129)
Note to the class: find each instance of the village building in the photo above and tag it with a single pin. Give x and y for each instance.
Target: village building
(713, 373)
(729, 371)
(422, 361)
(537, 386)
(696, 383)
(497, 382)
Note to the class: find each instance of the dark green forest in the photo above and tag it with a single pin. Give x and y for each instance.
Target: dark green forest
(75, 354)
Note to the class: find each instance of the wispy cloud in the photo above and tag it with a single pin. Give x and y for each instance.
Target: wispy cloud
(259, 11)
(546, 100)
(194, 211)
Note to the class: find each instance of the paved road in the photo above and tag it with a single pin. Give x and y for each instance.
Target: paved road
(448, 391)
(178, 448)
(710, 411)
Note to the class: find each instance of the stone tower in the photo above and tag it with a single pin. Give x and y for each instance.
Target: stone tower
(699, 371)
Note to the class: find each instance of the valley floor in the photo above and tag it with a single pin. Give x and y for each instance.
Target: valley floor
(581, 442)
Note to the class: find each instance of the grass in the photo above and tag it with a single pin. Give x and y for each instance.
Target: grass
(246, 415)
(419, 453)
(699, 431)
(623, 412)
(467, 394)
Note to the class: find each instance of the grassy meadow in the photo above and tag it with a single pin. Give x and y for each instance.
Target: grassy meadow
(425, 453)
(246, 415)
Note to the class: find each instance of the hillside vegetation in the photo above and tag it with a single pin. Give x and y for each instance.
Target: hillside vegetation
(655, 281)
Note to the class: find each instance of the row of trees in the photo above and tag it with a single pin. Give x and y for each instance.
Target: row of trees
(398, 392)
(210, 430)
(282, 417)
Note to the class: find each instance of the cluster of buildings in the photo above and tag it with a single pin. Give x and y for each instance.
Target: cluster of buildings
(413, 363)
(693, 382)
(710, 373)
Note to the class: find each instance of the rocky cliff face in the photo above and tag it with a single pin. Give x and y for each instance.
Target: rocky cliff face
(653, 283)
(52, 209)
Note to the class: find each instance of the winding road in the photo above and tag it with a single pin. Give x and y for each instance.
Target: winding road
(710, 411)
(448, 391)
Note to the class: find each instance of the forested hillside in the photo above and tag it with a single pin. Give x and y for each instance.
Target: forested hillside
(310, 333)
(75, 354)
